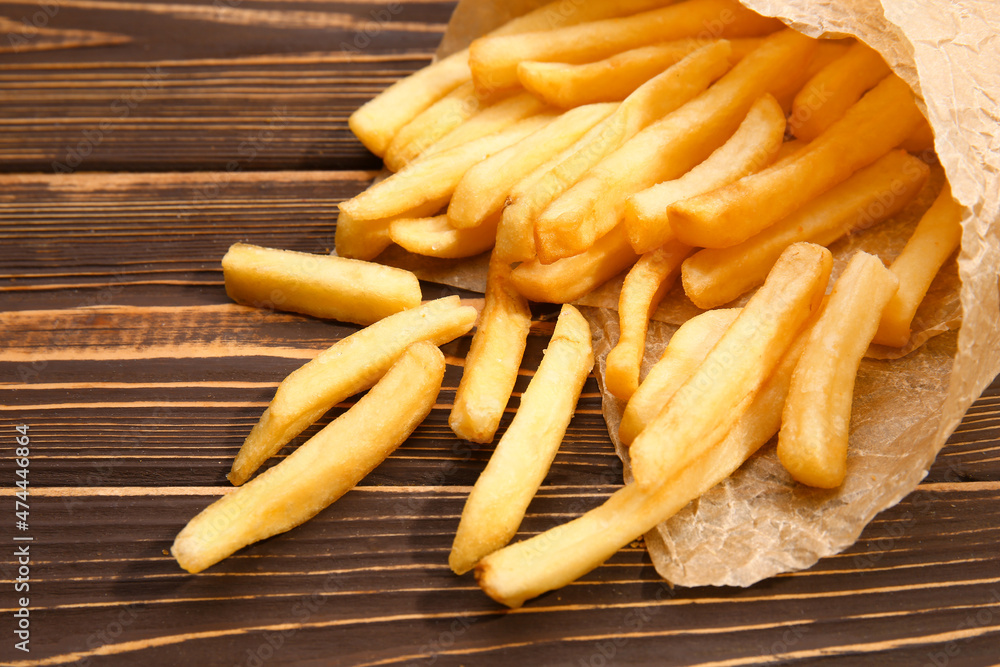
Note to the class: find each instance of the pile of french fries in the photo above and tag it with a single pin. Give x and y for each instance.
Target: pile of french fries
(693, 140)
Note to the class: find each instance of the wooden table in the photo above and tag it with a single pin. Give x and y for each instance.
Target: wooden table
(187, 125)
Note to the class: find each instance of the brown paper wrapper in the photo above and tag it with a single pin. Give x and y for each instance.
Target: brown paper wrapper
(759, 522)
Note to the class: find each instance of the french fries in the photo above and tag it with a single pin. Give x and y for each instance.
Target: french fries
(715, 276)
(483, 190)
(522, 458)
(707, 405)
(812, 443)
(883, 118)
(569, 279)
(493, 359)
(643, 289)
(752, 147)
(365, 239)
(436, 237)
(655, 98)
(937, 236)
(687, 349)
(349, 366)
(612, 79)
(319, 285)
(667, 148)
(494, 60)
(323, 469)
(561, 555)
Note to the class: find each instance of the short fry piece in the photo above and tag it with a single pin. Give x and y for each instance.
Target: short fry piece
(883, 118)
(323, 469)
(612, 79)
(812, 444)
(716, 276)
(349, 366)
(937, 236)
(343, 289)
(569, 279)
(365, 239)
(493, 359)
(494, 60)
(484, 189)
(688, 347)
(522, 458)
(706, 406)
(563, 554)
(752, 147)
(436, 237)
(644, 287)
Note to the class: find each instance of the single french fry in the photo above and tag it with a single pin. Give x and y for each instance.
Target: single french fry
(812, 443)
(880, 120)
(752, 147)
(351, 365)
(436, 237)
(571, 278)
(365, 239)
(431, 180)
(828, 95)
(688, 347)
(494, 60)
(937, 236)
(666, 149)
(522, 458)
(613, 79)
(563, 554)
(707, 405)
(788, 149)
(483, 190)
(715, 276)
(343, 289)
(493, 359)
(323, 469)
(654, 99)
(644, 287)
(380, 119)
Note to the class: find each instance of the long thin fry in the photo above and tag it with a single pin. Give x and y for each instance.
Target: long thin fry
(351, 365)
(883, 118)
(937, 236)
(323, 469)
(493, 360)
(706, 406)
(436, 237)
(522, 458)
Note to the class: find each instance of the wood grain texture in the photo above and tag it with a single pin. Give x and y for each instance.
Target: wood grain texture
(139, 380)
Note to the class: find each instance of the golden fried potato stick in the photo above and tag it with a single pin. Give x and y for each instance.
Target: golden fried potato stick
(715, 276)
(828, 95)
(571, 278)
(563, 554)
(343, 289)
(431, 180)
(612, 79)
(380, 119)
(365, 239)
(654, 99)
(351, 365)
(644, 287)
(884, 117)
(920, 141)
(436, 237)
(494, 59)
(752, 147)
(705, 407)
(524, 454)
(323, 469)
(483, 190)
(688, 347)
(812, 443)
(937, 236)
(493, 360)
(668, 148)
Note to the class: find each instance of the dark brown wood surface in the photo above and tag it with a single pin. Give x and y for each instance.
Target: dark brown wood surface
(139, 379)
